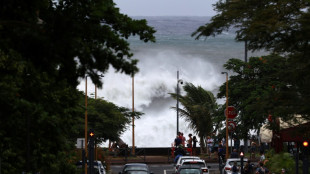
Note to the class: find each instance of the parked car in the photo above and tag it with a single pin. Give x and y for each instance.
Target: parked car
(181, 159)
(197, 162)
(192, 169)
(135, 168)
(229, 164)
(98, 167)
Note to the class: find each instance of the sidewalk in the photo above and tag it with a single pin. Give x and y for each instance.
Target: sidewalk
(154, 160)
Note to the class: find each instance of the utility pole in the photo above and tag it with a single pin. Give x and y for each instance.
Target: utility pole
(86, 154)
(133, 117)
(226, 114)
(177, 102)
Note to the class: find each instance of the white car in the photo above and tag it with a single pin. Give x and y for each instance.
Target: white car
(230, 162)
(198, 163)
(181, 159)
(189, 169)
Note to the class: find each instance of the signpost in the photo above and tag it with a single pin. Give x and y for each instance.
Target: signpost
(231, 113)
(231, 126)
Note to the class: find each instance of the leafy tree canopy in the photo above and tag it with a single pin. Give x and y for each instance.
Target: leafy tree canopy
(46, 46)
(70, 39)
(257, 90)
(108, 120)
(280, 26)
(199, 110)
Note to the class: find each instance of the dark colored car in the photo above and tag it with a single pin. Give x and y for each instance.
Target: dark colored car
(136, 168)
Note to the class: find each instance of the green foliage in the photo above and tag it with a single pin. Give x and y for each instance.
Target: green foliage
(46, 46)
(279, 161)
(281, 27)
(199, 109)
(70, 39)
(257, 89)
(108, 120)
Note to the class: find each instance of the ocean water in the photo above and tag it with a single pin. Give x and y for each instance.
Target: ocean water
(198, 61)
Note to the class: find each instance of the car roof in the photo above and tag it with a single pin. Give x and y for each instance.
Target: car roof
(189, 157)
(135, 164)
(182, 158)
(190, 160)
(236, 159)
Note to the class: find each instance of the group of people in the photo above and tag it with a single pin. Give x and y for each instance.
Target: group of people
(181, 143)
(249, 168)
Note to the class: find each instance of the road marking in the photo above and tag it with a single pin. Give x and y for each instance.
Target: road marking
(164, 171)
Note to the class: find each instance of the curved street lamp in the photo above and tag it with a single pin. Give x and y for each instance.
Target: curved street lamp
(179, 81)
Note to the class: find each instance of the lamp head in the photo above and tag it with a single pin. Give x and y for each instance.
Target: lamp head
(181, 81)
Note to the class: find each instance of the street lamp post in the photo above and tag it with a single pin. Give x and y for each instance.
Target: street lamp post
(133, 117)
(226, 114)
(181, 82)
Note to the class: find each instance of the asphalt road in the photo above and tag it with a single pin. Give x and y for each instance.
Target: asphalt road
(163, 168)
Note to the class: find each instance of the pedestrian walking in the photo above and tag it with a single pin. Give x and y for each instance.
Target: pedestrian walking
(262, 157)
(261, 169)
(253, 149)
(179, 152)
(234, 154)
(248, 168)
(209, 145)
(236, 143)
(235, 168)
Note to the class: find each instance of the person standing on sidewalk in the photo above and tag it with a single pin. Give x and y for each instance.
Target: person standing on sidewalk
(209, 145)
(194, 145)
(189, 144)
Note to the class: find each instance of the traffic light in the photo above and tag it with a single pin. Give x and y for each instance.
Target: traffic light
(91, 133)
(305, 144)
(91, 150)
(305, 160)
(241, 156)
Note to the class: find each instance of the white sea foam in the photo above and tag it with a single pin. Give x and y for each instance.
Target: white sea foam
(199, 62)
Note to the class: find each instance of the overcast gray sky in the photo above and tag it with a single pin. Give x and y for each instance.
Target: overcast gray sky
(166, 7)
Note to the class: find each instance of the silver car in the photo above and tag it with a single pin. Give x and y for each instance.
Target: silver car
(181, 159)
(197, 162)
(229, 164)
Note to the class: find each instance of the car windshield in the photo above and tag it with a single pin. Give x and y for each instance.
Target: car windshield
(190, 171)
(136, 172)
(136, 168)
(232, 163)
(194, 164)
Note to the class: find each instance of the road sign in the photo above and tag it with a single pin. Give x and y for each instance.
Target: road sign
(231, 113)
(231, 126)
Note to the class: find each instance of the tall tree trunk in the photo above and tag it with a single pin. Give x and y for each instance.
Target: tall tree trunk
(202, 143)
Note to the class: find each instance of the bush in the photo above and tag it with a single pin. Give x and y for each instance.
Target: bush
(278, 161)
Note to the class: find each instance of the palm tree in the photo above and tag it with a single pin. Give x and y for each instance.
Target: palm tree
(199, 106)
